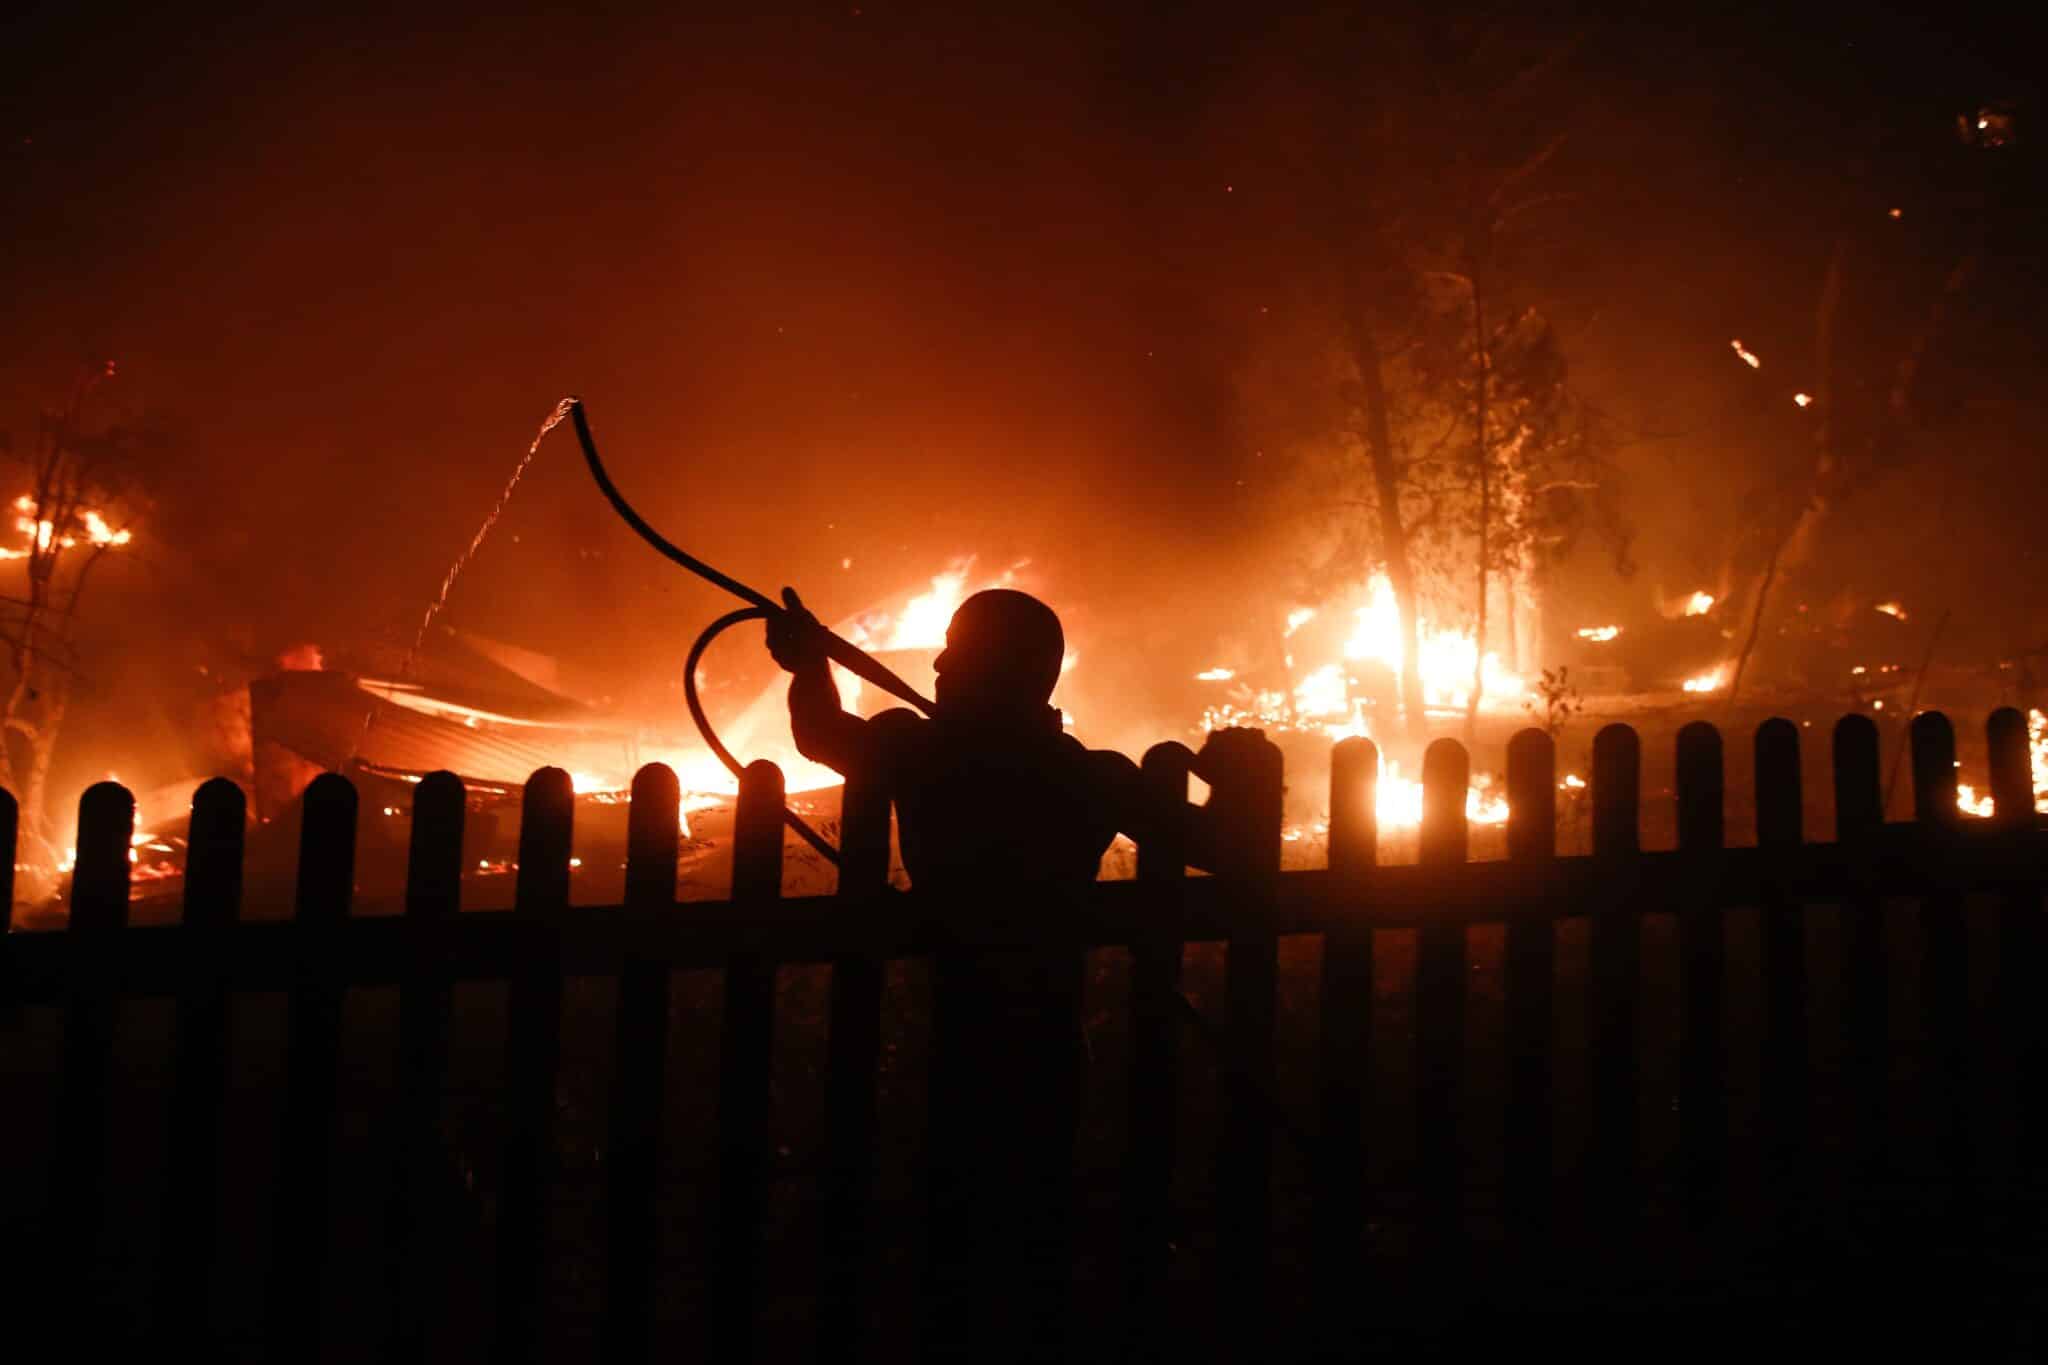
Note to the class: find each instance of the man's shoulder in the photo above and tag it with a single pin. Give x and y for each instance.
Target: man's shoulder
(898, 723)
(1100, 763)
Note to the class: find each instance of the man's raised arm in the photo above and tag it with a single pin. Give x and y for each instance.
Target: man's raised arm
(824, 732)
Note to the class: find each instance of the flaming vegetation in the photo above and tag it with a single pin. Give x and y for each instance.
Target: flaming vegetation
(79, 473)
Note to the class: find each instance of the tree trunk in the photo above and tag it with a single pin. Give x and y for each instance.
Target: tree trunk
(35, 808)
(1485, 505)
(1386, 478)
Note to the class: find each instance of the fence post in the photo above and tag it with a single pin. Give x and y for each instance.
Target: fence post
(744, 1047)
(10, 844)
(1780, 818)
(326, 885)
(1251, 965)
(1530, 986)
(2022, 944)
(1440, 1008)
(1702, 971)
(99, 912)
(10, 827)
(852, 1075)
(213, 900)
(1615, 952)
(533, 1055)
(1866, 989)
(1944, 961)
(1155, 1089)
(632, 1166)
(421, 1174)
(1345, 1047)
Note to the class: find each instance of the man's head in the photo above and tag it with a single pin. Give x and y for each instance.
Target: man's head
(1003, 653)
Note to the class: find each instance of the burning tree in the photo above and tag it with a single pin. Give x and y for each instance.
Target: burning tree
(1415, 387)
(80, 494)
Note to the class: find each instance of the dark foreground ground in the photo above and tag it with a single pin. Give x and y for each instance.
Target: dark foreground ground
(1899, 1260)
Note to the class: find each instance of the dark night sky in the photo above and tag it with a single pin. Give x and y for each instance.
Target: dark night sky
(883, 282)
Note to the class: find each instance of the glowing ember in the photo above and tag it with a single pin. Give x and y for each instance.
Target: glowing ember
(1298, 618)
(1892, 609)
(1803, 399)
(1710, 681)
(1215, 675)
(1699, 604)
(1599, 634)
(1748, 356)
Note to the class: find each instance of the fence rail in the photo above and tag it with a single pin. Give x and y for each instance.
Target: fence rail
(86, 971)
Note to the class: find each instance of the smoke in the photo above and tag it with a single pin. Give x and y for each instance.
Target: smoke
(851, 294)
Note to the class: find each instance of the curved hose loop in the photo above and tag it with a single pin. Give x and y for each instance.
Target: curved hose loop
(842, 652)
(717, 746)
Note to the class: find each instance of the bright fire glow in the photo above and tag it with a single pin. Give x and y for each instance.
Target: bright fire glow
(43, 533)
(608, 790)
(1215, 675)
(1599, 634)
(1323, 693)
(922, 622)
(1748, 356)
(1398, 801)
(1710, 681)
(920, 625)
(1699, 604)
(1298, 618)
(1892, 609)
(1803, 399)
(1970, 803)
(1447, 655)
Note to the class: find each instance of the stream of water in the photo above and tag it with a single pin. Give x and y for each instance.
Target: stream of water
(412, 655)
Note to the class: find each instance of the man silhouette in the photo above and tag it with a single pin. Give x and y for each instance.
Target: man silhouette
(997, 803)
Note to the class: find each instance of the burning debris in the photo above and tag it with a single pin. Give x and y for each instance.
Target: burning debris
(1713, 680)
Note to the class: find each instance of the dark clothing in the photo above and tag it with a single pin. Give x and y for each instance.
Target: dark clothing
(1017, 815)
(972, 800)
